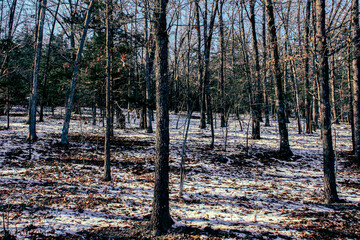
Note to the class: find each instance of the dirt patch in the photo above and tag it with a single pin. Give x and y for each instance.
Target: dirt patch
(326, 225)
(100, 139)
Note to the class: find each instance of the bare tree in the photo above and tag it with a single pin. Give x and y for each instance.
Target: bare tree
(107, 173)
(160, 217)
(200, 69)
(222, 64)
(149, 128)
(284, 141)
(256, 118)
(207, 46)
(328, 151)
(34, 93)
(70, 102)
(356, 75)
(266, 97)
(308, 125)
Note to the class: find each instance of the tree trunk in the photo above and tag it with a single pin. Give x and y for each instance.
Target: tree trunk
(222, 65)
(204, 84)
(284, 141)
(34, 93)
(107, 173)
(356, 75)
(308, 125)
(207, 47)
(200, 69)
(6, 59)
(148, 72)
(266, 98)
(70, 102)
(160, 217)
(256, 119)
(328, 152)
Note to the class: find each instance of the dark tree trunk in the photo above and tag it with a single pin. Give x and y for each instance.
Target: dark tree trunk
(149, 128)
(34, 93)
(256, 118)
(222, 65)
(328, 154)
(284, 141)
(4, 65)
(204, 83)
(266, 98)
(200, 69)
(160, 217)
(308, 125)
(107, 173)
(356, 75)
(189, 35)
(207, 47)
(70, 102)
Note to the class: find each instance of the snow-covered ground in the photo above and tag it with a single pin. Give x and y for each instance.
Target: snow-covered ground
(248, 194)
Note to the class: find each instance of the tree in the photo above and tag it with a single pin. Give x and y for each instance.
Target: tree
(34, 93)
(70, 102)
(206, 81)
(256, 118)
(222, 64)
(107, 173)
(206, 97)
(200, 68)
(266, 97)
(323, 81)
(284, 141)
(160, 217)
(356, 75)
(308, 125)
(7, 45)
(148, 71)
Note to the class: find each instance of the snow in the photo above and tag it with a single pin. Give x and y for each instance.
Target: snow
(227, 190)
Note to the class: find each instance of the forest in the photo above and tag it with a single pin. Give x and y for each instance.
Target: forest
(188, 119)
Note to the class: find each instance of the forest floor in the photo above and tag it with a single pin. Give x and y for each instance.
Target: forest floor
(229, 193)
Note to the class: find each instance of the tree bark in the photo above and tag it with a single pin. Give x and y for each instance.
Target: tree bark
(308, 125)
(208, 38)
(285, 150)
(149, 128)
(200, 69)
(34, 93)
(70, 102)
(328, 151)
(356, 75)
(160, 217)
(107, 173)
(266, 98)
(222, 65)
(256, 119)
